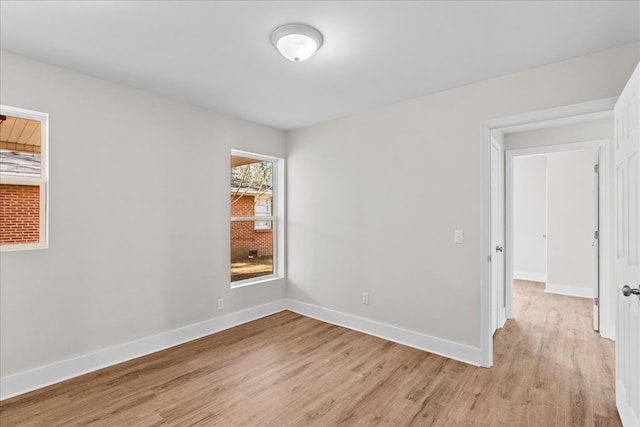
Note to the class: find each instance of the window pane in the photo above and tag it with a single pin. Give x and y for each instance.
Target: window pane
(19, 214)
(251, 198)
(20, 146)
(251, 251)
(251, 185)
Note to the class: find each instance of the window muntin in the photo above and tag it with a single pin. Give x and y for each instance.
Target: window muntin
(23, 179)
(253, 217)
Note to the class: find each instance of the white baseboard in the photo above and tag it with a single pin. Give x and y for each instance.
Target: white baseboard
(502, 317)
(572, 291)
(417, 340)
(533, 277)
(24, 382)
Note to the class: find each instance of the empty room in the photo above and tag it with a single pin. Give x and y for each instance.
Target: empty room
(272, 213)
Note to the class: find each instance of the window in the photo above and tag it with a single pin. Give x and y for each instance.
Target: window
(253, 217)
(262, 207)
(23, 179)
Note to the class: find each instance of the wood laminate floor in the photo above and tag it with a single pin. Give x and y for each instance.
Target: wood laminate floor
(550, 369)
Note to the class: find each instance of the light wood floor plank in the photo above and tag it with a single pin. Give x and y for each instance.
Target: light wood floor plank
(550, 368)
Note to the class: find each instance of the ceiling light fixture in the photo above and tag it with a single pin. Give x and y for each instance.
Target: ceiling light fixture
(296, 42)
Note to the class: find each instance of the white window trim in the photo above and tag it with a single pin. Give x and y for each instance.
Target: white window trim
(42, 181)
(277, 220)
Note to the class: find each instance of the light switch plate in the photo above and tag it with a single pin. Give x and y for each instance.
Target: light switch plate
(458, 236)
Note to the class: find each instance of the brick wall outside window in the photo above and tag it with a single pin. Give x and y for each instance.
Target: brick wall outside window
(244, 237)
(19, 214)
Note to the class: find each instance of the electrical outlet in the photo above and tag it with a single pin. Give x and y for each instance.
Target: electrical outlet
(220, 303)
(365, 298)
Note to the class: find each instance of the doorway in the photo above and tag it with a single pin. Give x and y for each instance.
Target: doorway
(495, 129)
(553, 210)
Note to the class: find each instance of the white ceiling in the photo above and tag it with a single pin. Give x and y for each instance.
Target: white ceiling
(218, 54)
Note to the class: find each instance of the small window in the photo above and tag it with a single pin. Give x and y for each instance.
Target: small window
(23, 179)
(262, 207)
(253, 217)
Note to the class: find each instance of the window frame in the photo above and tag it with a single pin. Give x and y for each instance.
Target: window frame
(276, 218)
(42, 181)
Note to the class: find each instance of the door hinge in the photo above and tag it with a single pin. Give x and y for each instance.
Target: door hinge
(596, 168)
(596, 301)
(596, 235)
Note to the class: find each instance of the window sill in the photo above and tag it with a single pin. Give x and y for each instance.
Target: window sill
(255, 281)
(15, 247)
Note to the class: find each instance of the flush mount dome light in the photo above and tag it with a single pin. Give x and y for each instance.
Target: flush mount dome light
(296, 42)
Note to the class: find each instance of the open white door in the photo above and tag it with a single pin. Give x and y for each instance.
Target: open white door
(596, 241)
(497, 231)
(495, 159)
(627, 163)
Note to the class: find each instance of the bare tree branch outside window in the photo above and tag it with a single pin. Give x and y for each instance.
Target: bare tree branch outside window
(255, 178)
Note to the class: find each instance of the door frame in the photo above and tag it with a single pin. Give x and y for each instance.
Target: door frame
(575, 113)
(603, 148)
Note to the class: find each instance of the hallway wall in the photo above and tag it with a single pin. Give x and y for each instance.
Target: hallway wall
(530, 218)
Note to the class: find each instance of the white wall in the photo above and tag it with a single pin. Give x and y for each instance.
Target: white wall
(374, 198)
(139, 209)
(530, 218)
(571, 267)
(591, 130)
